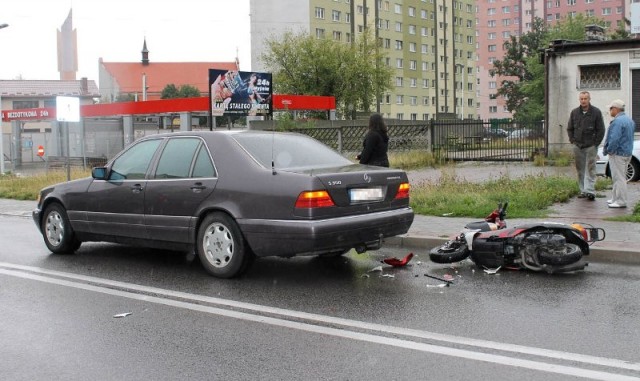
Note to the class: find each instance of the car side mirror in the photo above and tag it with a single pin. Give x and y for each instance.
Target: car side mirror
(99, 173)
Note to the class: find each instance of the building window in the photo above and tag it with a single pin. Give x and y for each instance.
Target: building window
(413, 65)
(425, 101)
(412, 29)
(335, 15)
(319, 13)
(414, 82)
(319, 33)
(399, 99)
(19, 105)
(399, 63)
(493, 109)
(412, 11)
(413, 100)
(414, 116)
(337, 35)
(412, 47)
(399, 81)
(398, 45)
(606, 11)
(400, 116)
(398, 27)
(599, 76)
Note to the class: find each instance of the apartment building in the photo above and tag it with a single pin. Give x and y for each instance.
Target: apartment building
(430, 44)
(498, 20)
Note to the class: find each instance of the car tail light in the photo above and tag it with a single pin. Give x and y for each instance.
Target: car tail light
(403, 191)
(314, 199)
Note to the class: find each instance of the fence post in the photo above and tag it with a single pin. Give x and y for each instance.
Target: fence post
(340, 140)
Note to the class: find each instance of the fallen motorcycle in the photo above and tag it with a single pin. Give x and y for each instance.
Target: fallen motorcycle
(541, 246)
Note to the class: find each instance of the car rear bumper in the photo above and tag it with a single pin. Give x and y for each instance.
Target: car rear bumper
(300, 237)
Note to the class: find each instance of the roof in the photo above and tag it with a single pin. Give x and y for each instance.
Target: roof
(128, 75)
(566, 46)
(48, 88)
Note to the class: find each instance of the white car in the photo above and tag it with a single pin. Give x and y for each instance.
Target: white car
(633, 170)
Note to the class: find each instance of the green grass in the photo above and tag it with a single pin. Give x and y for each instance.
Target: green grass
(528, 197)
(27, 187)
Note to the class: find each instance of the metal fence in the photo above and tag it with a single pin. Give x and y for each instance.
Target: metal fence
(451, 140)
(101, 139)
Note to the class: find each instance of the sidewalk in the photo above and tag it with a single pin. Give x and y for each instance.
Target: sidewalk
(620, 245)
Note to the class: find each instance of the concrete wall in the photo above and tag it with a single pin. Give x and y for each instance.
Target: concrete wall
(563, 90)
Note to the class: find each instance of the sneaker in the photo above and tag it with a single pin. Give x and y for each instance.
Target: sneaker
(616, 205)
(582, 195)
(591, 196)
(609, 201)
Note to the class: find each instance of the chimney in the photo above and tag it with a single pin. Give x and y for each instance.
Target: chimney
(145, 53)
(84, 85)
(594, 33)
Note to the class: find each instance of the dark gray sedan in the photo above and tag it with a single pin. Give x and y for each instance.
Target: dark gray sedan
(231, 197)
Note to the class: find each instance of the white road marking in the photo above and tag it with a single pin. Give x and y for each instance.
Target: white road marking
(165, 297)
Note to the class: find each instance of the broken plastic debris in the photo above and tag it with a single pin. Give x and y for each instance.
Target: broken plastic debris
(491, 271)
(448, 277)
(437, 278)
(395, 262)
(377, 268)
(365, 276)
(388, 276)
(446, 214)
(124, 314)
(441, 285)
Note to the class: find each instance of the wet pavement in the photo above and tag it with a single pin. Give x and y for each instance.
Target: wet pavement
(620, 245)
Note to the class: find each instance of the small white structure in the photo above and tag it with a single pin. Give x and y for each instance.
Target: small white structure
(606, 69)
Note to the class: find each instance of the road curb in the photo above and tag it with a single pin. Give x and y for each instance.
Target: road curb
(597, 254)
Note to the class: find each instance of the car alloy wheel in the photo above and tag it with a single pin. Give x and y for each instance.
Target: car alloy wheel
(221, 246)
(56, 229)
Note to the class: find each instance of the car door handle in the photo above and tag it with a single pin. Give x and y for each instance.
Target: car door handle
(198, 187)
(137, 188)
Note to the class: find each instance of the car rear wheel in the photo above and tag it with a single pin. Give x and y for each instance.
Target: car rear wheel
(57, 232)
(633, 170)
(222, 249)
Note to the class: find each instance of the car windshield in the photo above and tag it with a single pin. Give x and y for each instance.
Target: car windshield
(290, 151)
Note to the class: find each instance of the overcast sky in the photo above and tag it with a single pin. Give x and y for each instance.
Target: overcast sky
(176, 31)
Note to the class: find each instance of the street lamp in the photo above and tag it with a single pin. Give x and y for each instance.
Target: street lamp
(2, 26)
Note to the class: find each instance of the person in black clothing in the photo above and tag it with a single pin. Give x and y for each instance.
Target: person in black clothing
(375, 143)
(586, 131)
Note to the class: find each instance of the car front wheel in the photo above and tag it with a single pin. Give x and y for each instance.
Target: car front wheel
(57, 232)
(221, 247)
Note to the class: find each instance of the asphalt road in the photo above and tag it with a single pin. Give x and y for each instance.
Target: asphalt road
(304, 318)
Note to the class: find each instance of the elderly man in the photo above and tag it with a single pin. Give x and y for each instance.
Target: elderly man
(619, 145)
(586, 130)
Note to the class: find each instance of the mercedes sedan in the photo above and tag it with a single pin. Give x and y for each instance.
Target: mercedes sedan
(231, 197)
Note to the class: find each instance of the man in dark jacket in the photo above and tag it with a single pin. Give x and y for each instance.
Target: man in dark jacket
(586, 131)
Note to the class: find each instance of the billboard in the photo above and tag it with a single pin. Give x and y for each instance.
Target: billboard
(240, 93)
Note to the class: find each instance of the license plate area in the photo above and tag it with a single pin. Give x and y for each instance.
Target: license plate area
(366, 194)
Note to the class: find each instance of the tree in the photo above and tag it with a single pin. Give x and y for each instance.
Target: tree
(303, 64)
(185, 91)
(522, 73)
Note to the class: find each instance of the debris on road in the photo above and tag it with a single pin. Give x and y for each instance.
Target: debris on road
(124, 314)
(491, 271)
(395, 262)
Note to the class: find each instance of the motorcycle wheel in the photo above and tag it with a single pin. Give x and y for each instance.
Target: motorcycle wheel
(571, 254)
(452, 251)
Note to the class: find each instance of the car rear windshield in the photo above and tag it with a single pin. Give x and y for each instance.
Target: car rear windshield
(290, 151)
